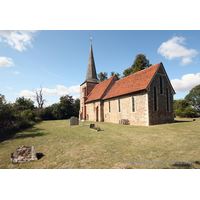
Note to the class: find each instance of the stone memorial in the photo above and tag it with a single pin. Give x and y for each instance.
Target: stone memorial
(74, 121)
(23, 154)
(92, 125)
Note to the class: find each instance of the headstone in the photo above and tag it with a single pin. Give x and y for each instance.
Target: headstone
(74, 121)
(92, 125)
(23, 154)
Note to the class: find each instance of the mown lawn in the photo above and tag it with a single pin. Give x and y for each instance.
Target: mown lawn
(116, 147)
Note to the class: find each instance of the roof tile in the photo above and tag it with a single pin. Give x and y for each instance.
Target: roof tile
(132, 83)
(99, 90)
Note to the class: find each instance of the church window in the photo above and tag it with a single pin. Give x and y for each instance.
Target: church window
(109, 107)
(155, 99)
(133, 104)
(119, 105)
(161, 85)
(167, 96)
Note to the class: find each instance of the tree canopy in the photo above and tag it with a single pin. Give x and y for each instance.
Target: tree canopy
(194, 97)
(103, 76)
(115, 73)
(140, 63)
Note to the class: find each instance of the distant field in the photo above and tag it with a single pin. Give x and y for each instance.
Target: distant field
(116, 147)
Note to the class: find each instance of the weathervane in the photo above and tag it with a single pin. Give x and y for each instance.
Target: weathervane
(91, 40)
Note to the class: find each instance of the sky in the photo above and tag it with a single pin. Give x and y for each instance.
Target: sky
(57, 59)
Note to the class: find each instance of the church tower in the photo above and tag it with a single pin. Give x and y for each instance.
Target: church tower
(89, 83)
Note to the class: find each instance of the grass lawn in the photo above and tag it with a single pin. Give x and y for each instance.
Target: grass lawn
(116, 147)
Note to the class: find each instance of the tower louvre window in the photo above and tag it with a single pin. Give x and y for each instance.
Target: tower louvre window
(155, 99)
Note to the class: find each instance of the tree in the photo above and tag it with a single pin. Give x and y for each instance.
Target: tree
(22, 104)
(76, 107)
(183, 109)
(5, 108)
(66, 106)
(39, 98)
(103, 76)
(194, 97)
(113, 73)
(140, 63)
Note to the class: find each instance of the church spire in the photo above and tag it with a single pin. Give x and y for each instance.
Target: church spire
(91, 75)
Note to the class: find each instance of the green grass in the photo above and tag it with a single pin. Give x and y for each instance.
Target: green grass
(117, 146)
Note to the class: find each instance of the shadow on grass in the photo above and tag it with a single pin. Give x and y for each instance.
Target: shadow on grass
(39, 155)
(19, 134)
(31, 133)
(180, 121)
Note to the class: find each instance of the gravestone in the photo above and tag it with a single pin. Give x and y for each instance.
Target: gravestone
(23, 154)
(74, 121)
(92, 125)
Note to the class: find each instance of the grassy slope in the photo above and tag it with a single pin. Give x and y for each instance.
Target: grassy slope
(70, 147)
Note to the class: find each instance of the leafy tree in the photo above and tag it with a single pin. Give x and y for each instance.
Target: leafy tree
(194, 97)
(5, 108)
(113, 73)
(140, 63)
(103, 76)
(76, 107)
(23, 104)
(66, 106)
(183, 109)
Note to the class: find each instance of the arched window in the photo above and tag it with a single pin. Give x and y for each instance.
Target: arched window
(161, 85)
(133, 104)
(119, 105)
(167, 96)
(109, 107)
(155, 99)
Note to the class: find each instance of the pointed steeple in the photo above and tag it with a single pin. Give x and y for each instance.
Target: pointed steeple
(91, 75)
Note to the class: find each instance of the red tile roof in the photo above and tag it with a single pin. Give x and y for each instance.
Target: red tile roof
(99, 90)
(132, 83)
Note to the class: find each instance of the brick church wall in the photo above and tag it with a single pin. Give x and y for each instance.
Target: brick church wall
(161, 115)
(89, 86)
(139, 117)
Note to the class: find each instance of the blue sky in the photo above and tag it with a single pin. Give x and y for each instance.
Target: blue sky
(57, 60)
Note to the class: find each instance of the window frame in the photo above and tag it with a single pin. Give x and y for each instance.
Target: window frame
(133, 104)
(119, 106)
(155, 98)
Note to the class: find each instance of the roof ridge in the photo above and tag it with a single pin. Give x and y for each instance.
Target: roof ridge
(142, 70)
(132, 83)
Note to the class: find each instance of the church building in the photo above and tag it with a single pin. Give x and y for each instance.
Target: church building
(143, 98)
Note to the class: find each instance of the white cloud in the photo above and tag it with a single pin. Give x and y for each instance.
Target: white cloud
(27, 94)
(9, 88)
(16, 72)
(174, 48)
(59, 90)
(186, 83)
(6, 62)
(17, 39)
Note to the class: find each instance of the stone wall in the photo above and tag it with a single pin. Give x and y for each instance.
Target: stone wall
(90, 111)
(161, 115)
(139, 117)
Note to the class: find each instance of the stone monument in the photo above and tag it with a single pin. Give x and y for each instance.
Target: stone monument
(74, 121)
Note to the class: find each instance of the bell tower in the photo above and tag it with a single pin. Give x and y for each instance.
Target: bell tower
(89, 83)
